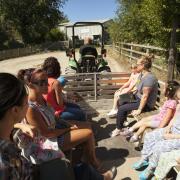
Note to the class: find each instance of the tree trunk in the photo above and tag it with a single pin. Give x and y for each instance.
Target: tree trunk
(172, 51)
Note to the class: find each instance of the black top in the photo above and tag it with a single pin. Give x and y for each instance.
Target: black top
(88, 50)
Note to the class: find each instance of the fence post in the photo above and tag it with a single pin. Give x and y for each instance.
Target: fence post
(121, 46)
(147, 50)
(95, 86)
(131, 53)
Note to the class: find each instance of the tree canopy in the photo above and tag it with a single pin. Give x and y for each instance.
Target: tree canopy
(29, 20)
(144, 21)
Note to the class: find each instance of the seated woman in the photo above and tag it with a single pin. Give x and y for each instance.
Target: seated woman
(129, 86)
(145, 96)
(161, 119)
(41, 116)
(159, 141)
(13, 108)
(66, 111)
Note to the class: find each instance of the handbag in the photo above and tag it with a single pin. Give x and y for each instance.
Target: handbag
(126, 98)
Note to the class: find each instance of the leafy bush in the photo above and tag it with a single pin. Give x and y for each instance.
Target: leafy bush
(55, 35)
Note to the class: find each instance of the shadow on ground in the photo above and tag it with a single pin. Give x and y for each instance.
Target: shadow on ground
(102, 129)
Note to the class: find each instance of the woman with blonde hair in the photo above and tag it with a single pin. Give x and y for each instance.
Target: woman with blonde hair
(129, 86)
(145, 97)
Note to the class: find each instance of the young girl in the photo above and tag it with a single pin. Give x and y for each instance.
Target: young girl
(127, 87)
(159, 120)
(157, 142)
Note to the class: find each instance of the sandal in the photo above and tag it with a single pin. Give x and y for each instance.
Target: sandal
(146, 174)
(113, 171)
(126, 132)
(133, 139)
(110, 174)
(140, 164)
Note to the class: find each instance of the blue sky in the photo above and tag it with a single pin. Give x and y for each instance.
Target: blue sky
(78, 10)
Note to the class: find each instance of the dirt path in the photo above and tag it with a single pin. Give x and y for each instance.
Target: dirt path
(13, 65)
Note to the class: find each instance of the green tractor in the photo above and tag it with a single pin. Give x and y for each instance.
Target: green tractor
(88, 63)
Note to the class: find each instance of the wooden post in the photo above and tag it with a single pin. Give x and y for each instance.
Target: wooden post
(121, 46)
(172, 51)
(147, 50)
(131, 53)
(95, 86)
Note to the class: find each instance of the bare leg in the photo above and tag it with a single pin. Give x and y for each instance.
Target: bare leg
(142, 128)
(85, 138)
(116, 97)
(140, 123)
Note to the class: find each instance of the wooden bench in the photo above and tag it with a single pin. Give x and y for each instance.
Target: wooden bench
(176, 169)
(172, 174)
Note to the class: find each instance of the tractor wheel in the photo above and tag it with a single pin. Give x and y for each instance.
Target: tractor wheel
(105, 69)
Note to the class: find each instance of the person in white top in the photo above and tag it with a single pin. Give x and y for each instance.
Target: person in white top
(127, 87)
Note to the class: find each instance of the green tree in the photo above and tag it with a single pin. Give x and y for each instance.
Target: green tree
(55, 35)
(144, 21)
(32, 19)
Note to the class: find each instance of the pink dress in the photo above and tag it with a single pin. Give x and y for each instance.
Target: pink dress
(169, 104)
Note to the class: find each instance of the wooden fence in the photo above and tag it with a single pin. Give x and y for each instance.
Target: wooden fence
(134, 51)
(13, 53)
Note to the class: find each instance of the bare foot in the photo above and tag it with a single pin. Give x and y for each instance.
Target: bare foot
(108, 175)
(111, 174)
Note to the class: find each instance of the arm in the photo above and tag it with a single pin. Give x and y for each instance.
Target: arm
(171, 136)
(146, 92)
(35, 119)
(58, 93)
(167, 118)
(125, 85)
(168, 128)
(27, 129)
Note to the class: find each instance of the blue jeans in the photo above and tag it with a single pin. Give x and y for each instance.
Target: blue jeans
(73, 112)
(124, 109)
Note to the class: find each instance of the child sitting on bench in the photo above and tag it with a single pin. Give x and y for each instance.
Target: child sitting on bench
(159, 120)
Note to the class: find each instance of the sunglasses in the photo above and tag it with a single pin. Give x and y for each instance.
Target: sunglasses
(43, 82)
